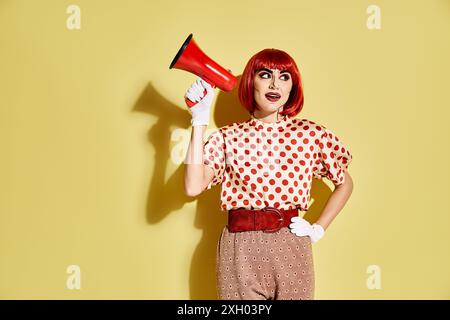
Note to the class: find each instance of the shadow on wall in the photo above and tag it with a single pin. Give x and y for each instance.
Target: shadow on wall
(165, 197)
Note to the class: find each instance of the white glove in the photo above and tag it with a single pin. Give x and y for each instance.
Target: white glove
(301, 227)
(201, 110)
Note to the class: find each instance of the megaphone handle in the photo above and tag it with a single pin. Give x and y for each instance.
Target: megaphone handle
(190, 103)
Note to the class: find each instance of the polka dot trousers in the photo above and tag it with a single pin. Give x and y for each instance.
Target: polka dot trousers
(254, 265)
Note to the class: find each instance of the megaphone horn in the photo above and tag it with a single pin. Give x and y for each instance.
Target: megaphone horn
(192, 59)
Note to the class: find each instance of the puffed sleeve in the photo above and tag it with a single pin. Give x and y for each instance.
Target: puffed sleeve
(334, 157)
(214, 156)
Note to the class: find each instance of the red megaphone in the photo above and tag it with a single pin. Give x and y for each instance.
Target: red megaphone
(192, 59)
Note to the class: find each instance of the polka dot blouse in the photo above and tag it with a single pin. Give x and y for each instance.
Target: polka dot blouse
(272, 164)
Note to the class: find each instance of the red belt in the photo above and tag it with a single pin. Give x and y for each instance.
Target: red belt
(268, 219)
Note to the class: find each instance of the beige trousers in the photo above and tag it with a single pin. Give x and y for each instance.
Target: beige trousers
(254, 265)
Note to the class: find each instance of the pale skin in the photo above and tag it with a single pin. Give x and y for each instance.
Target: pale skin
(198, 175)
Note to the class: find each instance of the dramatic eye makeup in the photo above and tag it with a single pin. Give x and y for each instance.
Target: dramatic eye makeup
(263, 72)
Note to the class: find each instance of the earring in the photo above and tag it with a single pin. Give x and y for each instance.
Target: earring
(278, 112)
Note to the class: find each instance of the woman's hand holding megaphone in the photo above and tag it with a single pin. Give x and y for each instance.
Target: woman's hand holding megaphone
(199, 103)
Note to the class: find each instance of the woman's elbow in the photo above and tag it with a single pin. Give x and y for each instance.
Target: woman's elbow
(191, 192)
(348, 182)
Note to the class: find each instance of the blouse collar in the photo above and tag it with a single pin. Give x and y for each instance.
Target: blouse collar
(257, 122)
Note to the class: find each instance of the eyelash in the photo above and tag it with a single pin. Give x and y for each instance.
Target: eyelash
(264, 73)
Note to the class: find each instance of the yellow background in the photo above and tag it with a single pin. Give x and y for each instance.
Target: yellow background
(93, 126)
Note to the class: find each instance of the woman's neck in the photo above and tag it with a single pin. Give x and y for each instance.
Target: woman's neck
(268, 118)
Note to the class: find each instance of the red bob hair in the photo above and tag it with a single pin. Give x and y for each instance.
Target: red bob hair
(271, 59)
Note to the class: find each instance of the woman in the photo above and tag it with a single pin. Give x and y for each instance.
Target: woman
(266, 165)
